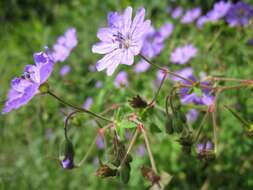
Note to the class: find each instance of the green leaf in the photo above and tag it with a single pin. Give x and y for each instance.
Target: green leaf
(154, 128)
(126, 124)
(197, 91)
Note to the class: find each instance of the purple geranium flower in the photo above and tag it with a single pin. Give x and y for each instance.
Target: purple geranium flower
(65, 70)
(191, 97)
(177, 12)
(24, 88)
(191, 15)
(187, 96)
(239, 14)
(122, 40)
(121, 79)
(182, 55)
(64, 45)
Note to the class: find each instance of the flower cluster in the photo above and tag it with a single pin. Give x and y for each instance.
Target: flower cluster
(191, 15)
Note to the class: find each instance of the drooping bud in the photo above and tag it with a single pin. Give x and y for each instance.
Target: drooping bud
(68, 161)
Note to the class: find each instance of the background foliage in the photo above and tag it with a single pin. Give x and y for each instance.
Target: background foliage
(32, 136)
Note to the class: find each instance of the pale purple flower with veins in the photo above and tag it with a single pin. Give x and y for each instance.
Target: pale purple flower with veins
(183, 55)
(64, 45)
(122, 40)
(24, 88)
(191, 15)
(65, 70)
(121, 79)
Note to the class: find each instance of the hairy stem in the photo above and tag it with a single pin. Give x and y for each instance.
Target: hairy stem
(151, 158)
(78, 108)
(166, 70)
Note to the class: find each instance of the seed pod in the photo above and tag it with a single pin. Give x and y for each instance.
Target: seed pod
(105, 171)
(150, 175)
(137, 102)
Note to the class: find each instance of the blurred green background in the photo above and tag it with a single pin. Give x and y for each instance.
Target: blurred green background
(31, 137)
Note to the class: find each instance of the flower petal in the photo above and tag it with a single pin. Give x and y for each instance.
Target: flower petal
(138, 20)
(127, 57)
(127, 20)
(107, 60)
(106, 34)
(103, 47)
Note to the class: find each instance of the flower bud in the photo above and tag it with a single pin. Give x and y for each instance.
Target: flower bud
(68, 161)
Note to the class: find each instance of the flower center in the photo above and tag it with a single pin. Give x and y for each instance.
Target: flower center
(124, 41)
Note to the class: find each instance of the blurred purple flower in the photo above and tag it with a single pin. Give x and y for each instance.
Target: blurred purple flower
(219, 10)
(88, 103)
(141, 66)
(65, 70)
(204, 148)
(98, 84)
(192, 115)
(100, 142)
(24, 88)
(64, 45)
(191, 15)
(177, 12)
(122, 40)
(239, 14)
(186, 72)
(182, 55)
(121, 79)
(141, 150)
(153, 44)
(166, 30)
(191, 97)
